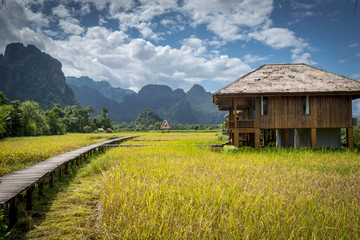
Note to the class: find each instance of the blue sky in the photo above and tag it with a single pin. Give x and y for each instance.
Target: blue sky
(131, 43)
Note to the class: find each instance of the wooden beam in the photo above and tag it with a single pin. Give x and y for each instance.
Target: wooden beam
(313, 137)
(350, 137)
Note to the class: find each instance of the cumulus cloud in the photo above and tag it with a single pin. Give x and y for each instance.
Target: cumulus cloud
(20, 24)
(279, 38)
(71, 26)
(227, 18)
(60, 11)
(103, 55)
(253, 58)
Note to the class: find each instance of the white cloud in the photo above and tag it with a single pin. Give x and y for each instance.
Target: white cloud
(105, 55)
(227, 18)
(140, 17)
(71, 26)
(251, 58)
(355, 76)
(298, 56)
(15, 23)
(61, 11)
(278, 38)
(353, 45)
(85, 9)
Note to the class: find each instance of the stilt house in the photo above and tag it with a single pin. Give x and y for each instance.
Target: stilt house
(300, 104)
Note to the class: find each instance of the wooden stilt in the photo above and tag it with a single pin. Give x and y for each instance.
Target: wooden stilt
(13, 212)
(51, 181)
(60, 172)
(236, 138)
(67, 168)
(350, 137)
(257, 137)
(286, 138)
(313, 137)
(29, 194)
(41, 188)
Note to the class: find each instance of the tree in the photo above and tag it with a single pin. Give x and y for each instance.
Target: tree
(13, 120)
(33, 119)
(3, 99)
(4, 111)
(90, 109)
(77, 120)
(55, 121)
(105, 120)
(157, 125)
(147, 117)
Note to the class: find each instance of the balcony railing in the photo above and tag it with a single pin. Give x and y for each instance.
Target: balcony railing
(241, 123)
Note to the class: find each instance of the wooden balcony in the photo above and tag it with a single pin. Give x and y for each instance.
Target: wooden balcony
(248, 123)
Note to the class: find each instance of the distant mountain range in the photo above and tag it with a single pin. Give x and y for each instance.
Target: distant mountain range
(26, 73)
(194, 106)
(116, 94)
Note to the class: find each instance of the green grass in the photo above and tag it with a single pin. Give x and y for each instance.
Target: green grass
(181, 189)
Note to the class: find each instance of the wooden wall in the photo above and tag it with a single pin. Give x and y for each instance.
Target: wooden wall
(325, 112)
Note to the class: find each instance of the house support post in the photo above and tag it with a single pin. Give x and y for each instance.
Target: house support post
(350, 137)
(236, 138)
(257, 137)
(286, 138)
(313, 137)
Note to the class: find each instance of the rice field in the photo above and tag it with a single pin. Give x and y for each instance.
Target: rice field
(178, 188)
(21, 152)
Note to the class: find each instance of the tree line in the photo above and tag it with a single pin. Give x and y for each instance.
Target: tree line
(29, 119)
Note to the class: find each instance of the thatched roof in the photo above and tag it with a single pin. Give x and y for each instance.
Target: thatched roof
(165, 125)
(290, 79)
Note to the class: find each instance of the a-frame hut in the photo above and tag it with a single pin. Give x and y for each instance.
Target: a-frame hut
(165, 126)
(305, 106)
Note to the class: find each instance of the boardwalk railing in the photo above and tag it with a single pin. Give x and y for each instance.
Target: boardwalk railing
(25, 180)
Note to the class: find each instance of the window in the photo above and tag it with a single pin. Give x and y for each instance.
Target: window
(264, 106)
(305, 101)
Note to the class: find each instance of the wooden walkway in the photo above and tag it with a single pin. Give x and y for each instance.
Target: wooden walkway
(25, 180)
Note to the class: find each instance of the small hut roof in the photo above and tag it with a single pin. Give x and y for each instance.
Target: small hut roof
(288, 79)
(165, 125)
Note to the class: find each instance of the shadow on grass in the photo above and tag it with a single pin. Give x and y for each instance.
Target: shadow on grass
(27, 220)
